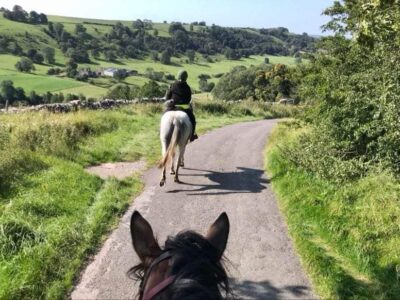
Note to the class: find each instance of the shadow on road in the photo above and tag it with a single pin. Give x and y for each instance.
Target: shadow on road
(244, 180)
(265, 290)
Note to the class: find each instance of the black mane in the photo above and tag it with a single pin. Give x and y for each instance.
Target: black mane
(197, 267)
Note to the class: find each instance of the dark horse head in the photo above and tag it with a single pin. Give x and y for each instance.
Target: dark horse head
(187, 267)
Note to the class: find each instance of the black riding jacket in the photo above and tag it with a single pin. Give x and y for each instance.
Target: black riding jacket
(180, 92)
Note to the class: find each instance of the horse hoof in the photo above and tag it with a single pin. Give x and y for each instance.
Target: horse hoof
(177, 180)
(172, 172)
(182, 164)
(162, 183)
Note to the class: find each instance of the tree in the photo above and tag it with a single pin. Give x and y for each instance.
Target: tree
(34, 98)
(95, 53)
(7, 92)
(58, 31)
(34, 17)
(43, 19)
(71, 68)
(19, 14)
(20, 94)
(154, 55)
(151, 89)
(166, 57)
(180, 39)
(131, 52)
(232, 54)
(25, 65)
(120, 91)
(38, 58)
(155, 32)
(31, 53)
(49, 55)
(138, 24)
(120, 75)
(79, 29)
(191, 55)
(79, 55)
(110, 55)
(175, 26)
(14, 48)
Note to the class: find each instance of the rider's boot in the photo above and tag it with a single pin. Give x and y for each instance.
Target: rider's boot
(194, 137)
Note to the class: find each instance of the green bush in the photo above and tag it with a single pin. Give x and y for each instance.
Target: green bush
(353, 86)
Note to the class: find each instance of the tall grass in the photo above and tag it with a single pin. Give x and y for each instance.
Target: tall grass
(348, 234)
(53, 214)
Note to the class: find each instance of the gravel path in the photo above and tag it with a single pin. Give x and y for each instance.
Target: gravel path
(224, 172)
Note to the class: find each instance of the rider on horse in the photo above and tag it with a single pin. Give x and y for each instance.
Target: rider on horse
(181, 99)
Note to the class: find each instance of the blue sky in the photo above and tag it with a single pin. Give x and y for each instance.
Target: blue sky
(297, 15)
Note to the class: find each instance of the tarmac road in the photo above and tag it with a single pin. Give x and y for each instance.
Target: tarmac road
(224, 172)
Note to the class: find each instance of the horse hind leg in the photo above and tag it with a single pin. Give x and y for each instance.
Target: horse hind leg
(178, 163)
(182, 159)
(163, 177)
(172, 172)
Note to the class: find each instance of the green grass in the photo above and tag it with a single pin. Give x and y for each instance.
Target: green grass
(87, 90)
(53, 215)
(41, 83)
(348, 236)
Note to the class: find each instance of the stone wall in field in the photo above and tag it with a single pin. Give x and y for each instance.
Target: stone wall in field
(76, 105)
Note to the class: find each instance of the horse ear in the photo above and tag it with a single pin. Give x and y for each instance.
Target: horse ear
(143, 239)
(218, 233)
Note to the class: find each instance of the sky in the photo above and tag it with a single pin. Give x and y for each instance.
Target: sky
(297, 15)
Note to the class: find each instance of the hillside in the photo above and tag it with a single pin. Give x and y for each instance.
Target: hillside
(151, 50)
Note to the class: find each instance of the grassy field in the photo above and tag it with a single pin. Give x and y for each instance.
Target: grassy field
(41, 83)
(91, 24)
(194, 69)
(348, 236)
(53, 215)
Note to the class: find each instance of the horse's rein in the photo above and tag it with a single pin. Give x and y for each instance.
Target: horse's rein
(160, 286)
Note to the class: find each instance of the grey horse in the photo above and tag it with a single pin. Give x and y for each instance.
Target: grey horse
(175, 131)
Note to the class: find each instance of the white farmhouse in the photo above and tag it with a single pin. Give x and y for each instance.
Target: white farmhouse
(110, 72)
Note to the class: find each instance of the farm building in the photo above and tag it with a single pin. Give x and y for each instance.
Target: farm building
(111, 72)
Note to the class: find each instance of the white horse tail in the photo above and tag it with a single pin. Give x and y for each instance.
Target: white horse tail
(176, 135)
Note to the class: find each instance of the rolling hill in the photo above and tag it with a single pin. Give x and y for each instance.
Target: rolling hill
(100, 44)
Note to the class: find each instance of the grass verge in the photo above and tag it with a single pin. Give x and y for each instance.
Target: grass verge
(348, 236)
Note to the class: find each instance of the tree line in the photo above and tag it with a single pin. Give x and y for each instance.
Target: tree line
(9, 95)
(18, 14)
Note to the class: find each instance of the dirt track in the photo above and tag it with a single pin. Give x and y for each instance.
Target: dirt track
(224, 172)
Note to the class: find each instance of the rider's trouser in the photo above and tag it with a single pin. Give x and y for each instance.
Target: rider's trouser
(192, 119)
